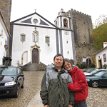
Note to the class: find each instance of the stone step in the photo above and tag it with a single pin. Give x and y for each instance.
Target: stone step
(34, 67)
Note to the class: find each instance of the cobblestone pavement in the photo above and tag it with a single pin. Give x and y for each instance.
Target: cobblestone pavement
(29, 96)
(97, 97)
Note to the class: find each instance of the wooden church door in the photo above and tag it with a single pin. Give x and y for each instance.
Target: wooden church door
(35, 55)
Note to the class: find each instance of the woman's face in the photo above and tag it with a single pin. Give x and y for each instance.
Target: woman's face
(67, 65)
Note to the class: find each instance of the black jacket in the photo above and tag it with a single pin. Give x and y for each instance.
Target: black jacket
(54, 91)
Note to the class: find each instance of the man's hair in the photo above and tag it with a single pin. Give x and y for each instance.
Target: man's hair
(58, 55)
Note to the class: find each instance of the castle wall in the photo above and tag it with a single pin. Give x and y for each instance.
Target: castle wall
(82, 27)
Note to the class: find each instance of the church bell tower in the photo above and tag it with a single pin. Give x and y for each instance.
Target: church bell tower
(65, 35)
(63, 20)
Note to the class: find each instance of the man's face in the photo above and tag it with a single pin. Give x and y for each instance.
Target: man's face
(58, 61)
(67, 65)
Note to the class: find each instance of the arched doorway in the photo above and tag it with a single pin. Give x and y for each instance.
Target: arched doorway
(100, 63)
(35, 55)
(88, 62)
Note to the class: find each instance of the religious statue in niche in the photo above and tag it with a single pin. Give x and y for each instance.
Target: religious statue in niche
(65, 21)
(35, 35)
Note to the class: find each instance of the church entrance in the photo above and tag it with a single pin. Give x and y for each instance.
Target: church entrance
(100, 63)
(35, 55)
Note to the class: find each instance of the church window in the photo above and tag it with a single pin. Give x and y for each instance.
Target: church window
(104, 57)
(22, 37)
(47, 40)
(65, 21)
(35, 21)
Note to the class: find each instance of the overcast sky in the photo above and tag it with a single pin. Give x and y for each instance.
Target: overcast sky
(49, 8)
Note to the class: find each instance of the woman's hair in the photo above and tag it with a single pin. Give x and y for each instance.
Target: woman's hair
(71, 61)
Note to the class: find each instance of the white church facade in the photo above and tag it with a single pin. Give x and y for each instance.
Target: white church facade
(37, 40)
(4, 40)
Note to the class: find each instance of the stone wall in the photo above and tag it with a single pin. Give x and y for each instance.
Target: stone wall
(82, 26)
(5, 8)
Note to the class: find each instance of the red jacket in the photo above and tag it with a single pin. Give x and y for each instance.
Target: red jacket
(79, 85)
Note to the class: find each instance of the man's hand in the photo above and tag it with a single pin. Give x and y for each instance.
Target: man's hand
(70, 106)
(46, 106)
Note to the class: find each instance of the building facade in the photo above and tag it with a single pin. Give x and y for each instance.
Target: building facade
(5, 12)
(4, 40)
(37, 40)
(101, 57)
(82, 27)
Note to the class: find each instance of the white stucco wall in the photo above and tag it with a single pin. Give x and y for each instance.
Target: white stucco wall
(2, 50)
(3, 40)
(100, 56)
(67, 44)
(17, 46)
(46, 52)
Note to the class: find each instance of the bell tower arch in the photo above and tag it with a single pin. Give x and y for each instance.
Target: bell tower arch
(63, 20)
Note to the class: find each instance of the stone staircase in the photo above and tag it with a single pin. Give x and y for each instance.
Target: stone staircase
(34, 67)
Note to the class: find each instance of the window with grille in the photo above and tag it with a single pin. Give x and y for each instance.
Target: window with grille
(47, 40)
(22, 37)
(104, 57)
(65, 21)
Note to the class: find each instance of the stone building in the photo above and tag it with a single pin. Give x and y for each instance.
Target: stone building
(5, 11)
(36, 40)
(71, 36)
(82, 26)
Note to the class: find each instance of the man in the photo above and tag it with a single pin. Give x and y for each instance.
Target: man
(79, 85)
(54, 91)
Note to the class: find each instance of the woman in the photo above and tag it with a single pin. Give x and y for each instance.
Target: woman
(79, 85)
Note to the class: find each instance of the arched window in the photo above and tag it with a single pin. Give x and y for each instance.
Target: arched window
(65, 21)
(88, 62)
(47, 40)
